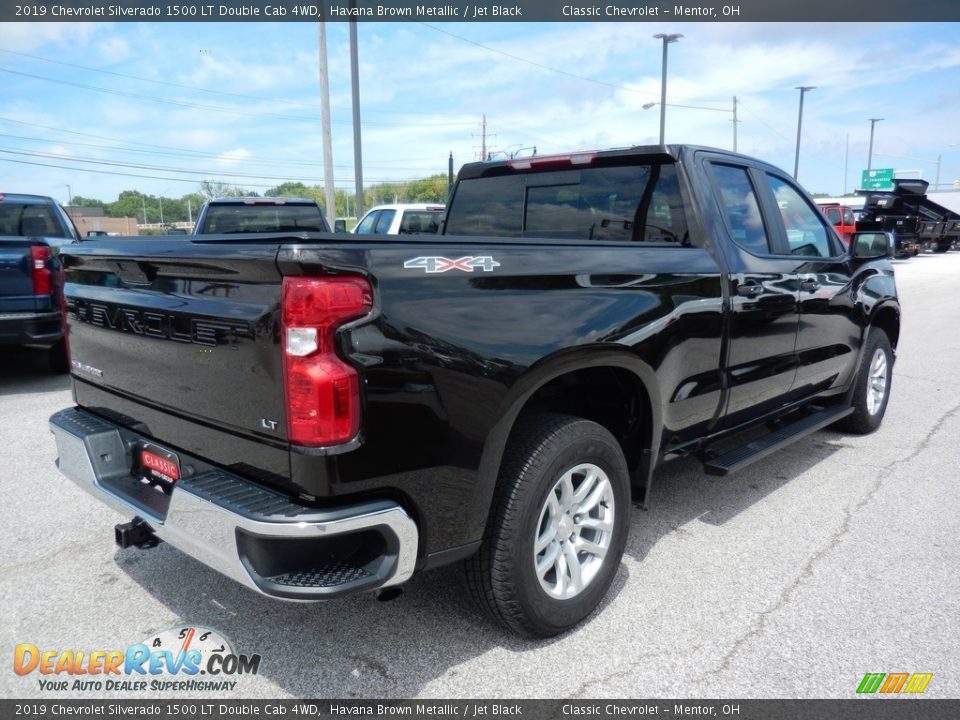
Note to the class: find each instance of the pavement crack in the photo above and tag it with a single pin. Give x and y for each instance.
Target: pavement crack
(628, 671)
(759, 623)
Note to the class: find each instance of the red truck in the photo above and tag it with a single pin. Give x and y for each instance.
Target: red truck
(842, 219)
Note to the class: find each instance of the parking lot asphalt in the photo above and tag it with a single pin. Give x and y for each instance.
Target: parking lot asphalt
(836, 557)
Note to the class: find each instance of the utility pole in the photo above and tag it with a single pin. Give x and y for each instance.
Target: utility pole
(846, 163)
(735, 121)
(936, 182)
(69, 196)
(483, 138)
(796, 160)
(328, 190)
(450, 173)
(873, 121)
(190, 211)
(355, 87)
(143, 199)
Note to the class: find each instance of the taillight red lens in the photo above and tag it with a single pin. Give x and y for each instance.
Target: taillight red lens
(42, 276)
(322, 391)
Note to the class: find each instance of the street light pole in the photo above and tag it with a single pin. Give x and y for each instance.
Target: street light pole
(667, 39)
(873, 121)
(796, 160)
(355, 93)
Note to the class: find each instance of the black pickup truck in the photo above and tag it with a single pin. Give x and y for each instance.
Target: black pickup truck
(32, 229)
(314, 415)
(260, 215)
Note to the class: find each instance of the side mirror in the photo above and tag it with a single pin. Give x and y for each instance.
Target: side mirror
(340, 226)
(871, 245)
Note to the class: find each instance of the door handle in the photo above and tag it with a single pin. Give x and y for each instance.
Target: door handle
(809, 285)
(750, 289)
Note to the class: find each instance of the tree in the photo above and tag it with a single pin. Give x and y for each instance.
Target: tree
(131, 203)
(428, 189)
(213, 189)
(289, 189)
(80, 201)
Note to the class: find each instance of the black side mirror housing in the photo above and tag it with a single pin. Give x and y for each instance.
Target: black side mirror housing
(872, 245)
(340, 226)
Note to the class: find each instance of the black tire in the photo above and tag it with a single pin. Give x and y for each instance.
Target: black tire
(942, 247)
(502, 576)
(57, 357)
(867, 416)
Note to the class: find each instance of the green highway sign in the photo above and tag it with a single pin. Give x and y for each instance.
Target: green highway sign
(878, 179)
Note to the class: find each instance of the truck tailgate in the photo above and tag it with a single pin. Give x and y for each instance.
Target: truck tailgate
(179, 334)
(16, 281)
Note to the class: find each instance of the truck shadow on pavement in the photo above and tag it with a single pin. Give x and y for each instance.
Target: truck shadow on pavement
(27, 370)
(358, 647)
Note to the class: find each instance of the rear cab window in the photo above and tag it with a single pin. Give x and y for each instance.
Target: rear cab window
(253, 217)
(30, 220)
(628, 203)
(420, 221)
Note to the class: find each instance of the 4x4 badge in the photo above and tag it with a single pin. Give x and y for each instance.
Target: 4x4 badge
(436, 264)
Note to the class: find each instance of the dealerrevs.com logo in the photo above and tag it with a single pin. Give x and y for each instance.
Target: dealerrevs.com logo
(180, 658)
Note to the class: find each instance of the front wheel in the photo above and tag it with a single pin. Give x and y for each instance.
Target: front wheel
(558, 526)
(872, 391)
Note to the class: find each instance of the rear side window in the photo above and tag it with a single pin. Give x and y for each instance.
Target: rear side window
(28, 220)
(741, 208)
(639, 203)
(806, 232)
(833, 215)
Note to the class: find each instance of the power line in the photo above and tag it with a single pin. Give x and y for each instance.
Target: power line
(187, 152)
(170, 179)
(161, 168)
(553, 69)
(216, 156)
(201, 106)
(536, 64)
(222, 93)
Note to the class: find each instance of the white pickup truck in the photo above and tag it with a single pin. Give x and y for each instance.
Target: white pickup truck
(401, 219)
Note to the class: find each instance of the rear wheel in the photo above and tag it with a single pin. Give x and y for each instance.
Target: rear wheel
(872, 391)
(557, 527)
(57, 357)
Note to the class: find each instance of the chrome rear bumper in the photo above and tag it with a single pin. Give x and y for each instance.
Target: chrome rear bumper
(249, 533)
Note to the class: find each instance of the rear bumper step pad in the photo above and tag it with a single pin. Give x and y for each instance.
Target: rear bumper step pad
(257, 537)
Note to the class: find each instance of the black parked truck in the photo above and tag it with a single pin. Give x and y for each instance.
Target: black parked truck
(916, 221)
(314, 415)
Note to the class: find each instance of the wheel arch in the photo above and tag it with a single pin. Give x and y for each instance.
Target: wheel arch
(887, 318)
(589, 383)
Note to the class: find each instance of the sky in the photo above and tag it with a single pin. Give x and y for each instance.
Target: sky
(159, 107)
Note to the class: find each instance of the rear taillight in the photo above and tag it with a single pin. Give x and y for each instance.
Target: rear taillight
(322, 391)
(42, 276)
